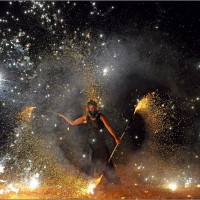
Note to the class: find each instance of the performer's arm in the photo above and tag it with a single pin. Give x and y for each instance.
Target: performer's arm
(78, 121)
(110, 129)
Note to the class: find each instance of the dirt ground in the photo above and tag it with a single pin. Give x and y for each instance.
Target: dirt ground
(130, 188)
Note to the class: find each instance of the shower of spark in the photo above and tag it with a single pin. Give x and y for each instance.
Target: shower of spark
(156, 113)
(30, 156)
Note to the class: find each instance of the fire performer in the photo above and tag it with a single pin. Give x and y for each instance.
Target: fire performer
(97, 122)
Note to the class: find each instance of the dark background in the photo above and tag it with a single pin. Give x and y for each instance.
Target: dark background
(178, 21)
(175, 26)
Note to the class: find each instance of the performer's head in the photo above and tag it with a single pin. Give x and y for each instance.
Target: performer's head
(92, 108)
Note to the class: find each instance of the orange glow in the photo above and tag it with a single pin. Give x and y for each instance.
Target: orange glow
(92, 185)
(25, 114)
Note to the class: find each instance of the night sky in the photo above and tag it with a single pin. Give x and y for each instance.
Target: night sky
(57, 55)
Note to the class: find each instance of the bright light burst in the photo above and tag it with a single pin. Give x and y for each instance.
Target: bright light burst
(91, 188)
(142, 104)
(10, 188)
(1, 77)
(33, 182)
(172, 186)
(2, 168)
(93, 184)
(105, 71)
(26, 113)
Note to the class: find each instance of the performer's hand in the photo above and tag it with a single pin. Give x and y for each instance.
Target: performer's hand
(118, 140)
(60, 115)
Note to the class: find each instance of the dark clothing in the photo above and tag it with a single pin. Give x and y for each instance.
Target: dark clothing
(98, 150)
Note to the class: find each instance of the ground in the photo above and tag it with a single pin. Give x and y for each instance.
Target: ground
(130, 188)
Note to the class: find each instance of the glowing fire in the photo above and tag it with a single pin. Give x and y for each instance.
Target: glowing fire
(172, 186)
(33, 182)
(91, 188)
(25, 114)
(9, 188)
(93, 184)
(143, 104)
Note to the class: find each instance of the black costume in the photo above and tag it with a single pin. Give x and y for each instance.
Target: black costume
(98, 150)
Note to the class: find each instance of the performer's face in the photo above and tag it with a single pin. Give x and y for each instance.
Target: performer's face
(92, 108)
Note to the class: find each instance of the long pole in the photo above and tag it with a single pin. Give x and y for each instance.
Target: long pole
(98, 180)
(116, 146)
(127, 125)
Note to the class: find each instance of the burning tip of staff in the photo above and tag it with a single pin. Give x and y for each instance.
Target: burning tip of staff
(144, 103)
(26, 113)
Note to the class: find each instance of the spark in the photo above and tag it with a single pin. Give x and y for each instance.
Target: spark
(26, 113)
(105, 71)
(84, 156)
(2, 168)
(33, 182)
(2, 79)
(101, 35)
(9, 188)
(91, 188)
(172, 186)
(143, 104)
(93, 184)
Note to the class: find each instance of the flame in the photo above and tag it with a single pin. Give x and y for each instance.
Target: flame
(93, 184)
(144, 103)
(10, 188)
(172, 186)
(33, 182)
(91, 188)
(25, 114)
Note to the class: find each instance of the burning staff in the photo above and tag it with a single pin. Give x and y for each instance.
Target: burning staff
(97, 122)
